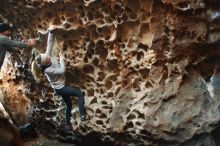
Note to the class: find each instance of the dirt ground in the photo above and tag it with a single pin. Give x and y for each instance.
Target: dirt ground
(42, 141)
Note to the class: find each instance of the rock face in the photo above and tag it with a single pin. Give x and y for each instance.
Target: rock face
(9, 135)
(145, 66)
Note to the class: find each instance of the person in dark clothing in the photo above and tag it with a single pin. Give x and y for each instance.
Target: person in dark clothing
(6, 44)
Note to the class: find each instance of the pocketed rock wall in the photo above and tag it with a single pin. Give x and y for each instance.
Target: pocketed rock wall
(145, 66)
(8, 132)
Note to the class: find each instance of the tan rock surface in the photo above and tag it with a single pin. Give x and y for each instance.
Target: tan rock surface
(145, 66)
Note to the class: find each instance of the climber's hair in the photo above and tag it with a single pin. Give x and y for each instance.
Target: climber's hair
(36, 71)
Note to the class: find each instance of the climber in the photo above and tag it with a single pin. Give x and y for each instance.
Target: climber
(6, 44)
(54, 71)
